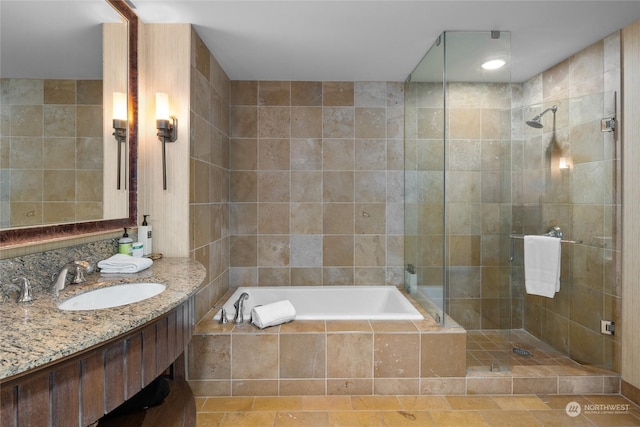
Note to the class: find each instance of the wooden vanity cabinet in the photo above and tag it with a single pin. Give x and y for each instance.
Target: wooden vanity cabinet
(81, 389)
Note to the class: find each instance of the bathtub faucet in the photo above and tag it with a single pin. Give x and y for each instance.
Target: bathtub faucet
(239, 305)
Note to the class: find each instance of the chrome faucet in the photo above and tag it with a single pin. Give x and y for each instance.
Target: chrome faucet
(239, 305)
(25, 289)
(78, 268)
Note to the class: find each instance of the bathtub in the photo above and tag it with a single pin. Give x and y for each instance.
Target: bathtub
(330, 302)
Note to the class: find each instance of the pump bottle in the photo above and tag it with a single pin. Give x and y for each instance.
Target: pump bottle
(144, 235)
(125, 244)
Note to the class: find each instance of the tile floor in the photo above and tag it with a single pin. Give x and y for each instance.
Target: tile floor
(483, 348)
(486, 347)
(423, 411)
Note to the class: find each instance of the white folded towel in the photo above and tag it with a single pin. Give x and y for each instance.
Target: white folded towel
(542, 265)
(273, 314)
(121, 263)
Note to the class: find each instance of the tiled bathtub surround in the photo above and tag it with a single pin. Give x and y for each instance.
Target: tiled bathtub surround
(316, 184)
(317, 357)
(50, 131)
(375, 358)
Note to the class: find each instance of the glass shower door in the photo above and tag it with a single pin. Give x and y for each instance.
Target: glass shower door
(424, 182)
(458, 189)
(566, 176)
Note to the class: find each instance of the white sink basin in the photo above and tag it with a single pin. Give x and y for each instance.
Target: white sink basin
(113, 296)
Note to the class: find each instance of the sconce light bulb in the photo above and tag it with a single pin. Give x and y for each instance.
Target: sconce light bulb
(162, 106)
(119, 106)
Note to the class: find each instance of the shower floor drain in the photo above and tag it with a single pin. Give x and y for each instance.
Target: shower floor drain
(522, 352)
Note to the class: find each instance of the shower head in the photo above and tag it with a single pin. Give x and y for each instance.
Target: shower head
(535, 122)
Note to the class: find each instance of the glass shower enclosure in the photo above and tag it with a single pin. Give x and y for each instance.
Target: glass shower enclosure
(458, 185)
(478, 178)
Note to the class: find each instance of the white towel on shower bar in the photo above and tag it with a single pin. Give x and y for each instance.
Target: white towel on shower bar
(273, 314)
(542, 265)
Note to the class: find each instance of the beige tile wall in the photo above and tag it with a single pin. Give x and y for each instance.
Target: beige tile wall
(50, 151)
(316, 183)
(209, 180)
(584, 200)
(476, 159)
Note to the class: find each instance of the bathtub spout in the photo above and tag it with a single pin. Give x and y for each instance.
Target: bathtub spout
(239, 305)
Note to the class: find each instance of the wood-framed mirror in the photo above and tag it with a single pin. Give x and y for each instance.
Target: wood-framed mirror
(24, 235)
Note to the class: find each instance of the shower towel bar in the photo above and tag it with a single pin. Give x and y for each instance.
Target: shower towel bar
(521, 237)
(553, 232)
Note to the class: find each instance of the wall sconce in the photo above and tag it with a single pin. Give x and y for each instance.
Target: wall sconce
(167, 126)
(563, 163)
(120, 125)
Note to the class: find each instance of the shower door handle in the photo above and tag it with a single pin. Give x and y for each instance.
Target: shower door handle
(511, 249)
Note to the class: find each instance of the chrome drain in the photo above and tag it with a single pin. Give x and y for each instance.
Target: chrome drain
(521, 352)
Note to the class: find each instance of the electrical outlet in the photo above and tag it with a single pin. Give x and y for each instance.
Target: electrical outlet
(607, 327)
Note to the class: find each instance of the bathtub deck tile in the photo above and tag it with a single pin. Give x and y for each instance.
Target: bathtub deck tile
(247, 328)
(208, 326)
(428, 325)
(393, 326)
(349, 326)
(303, 326)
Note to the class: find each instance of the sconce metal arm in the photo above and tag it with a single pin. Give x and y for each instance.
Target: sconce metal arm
(167, 132)
(120, 133)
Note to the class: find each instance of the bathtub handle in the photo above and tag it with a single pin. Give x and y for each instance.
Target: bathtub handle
(223, 316)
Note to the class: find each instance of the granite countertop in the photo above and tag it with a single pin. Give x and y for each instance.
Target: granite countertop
(37, 333)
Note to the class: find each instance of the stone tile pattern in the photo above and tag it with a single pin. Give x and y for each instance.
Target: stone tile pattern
(209, 180)
(50, 132)
(39, 267)
(316, 183)
(584, 200)
(47, 334)
(325, 358)
(476, 159)
(424, 411)
(360, 357)
(493, 160)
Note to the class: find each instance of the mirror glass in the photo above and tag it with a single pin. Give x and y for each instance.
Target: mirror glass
(60, 63)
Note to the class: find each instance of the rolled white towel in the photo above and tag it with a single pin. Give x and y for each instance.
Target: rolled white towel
(273, 314)
(121, 263)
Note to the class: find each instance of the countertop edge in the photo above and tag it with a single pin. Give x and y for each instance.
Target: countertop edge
(38, 334)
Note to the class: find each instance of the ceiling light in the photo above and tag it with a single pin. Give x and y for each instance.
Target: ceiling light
(493, 64)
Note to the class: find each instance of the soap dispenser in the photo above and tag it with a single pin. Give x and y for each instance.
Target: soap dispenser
(125, 244)
(144, 235)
